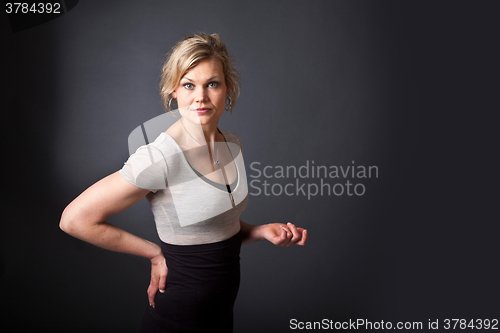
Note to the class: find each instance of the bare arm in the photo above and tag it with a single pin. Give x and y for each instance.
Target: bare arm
(84, 218)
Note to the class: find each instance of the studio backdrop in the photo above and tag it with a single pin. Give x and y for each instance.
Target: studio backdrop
(338, 138)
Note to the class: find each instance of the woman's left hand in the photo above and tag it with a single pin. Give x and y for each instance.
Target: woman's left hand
(159, 271)
(284, 234)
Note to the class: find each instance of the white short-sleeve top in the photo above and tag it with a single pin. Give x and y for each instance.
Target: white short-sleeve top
(188, 208)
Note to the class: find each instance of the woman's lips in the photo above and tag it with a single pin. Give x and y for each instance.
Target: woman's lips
(202, 110)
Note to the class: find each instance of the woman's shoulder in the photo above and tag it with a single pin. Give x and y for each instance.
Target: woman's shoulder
(146, 167)
(165, 144)
(230, 136)
(156, 152)
(162, 140)
(233, 138)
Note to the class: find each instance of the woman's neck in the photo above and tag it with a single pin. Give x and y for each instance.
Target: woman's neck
(200, 133)
(210, 132)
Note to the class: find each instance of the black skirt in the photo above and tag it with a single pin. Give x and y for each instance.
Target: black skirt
(202, 285)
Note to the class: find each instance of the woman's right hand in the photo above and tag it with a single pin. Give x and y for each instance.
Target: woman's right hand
(159, 271)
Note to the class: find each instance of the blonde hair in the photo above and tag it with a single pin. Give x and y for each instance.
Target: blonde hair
(190, 52)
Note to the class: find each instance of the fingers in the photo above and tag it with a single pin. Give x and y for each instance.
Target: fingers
(296, 235)
(290, 235)
(152, 289)
(158, 281)
(286, 236)
(163, 279)
(293, 235)
(304, 234)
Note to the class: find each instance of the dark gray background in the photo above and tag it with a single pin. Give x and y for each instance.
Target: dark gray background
(408, 86)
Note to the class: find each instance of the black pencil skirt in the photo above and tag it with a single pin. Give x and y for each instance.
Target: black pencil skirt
(202, 285)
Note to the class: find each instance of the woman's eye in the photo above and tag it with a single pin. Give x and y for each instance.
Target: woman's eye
(213, 84)
(188, 86)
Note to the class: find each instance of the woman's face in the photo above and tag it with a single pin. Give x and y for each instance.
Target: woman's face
(201, 94)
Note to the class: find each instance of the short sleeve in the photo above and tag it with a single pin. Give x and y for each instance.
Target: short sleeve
(146, 169)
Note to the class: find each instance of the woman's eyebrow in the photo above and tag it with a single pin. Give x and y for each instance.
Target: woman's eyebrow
(210, 78)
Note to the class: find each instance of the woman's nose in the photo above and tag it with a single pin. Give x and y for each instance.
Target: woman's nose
(201, 95)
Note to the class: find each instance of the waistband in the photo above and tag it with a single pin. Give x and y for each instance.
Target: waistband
(232, 242)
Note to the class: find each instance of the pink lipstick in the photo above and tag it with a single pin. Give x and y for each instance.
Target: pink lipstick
(202, 110)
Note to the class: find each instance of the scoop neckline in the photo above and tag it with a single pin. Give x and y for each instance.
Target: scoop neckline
(198, 177)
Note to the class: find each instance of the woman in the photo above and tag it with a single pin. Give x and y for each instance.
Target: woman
(193, 177)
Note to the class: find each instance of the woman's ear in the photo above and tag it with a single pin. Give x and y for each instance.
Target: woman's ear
(174, 94)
